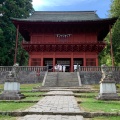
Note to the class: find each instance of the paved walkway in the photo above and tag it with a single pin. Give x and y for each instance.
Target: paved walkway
(68, 93)
(51, 117)
(55, 104)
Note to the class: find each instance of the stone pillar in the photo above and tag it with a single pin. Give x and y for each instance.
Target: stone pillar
(107, 85)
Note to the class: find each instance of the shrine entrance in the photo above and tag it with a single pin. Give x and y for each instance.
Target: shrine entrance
(65, 63)
(77, 62)
(48, 62)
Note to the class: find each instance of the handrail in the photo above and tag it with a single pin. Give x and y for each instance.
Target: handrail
(63, 42)
(25, 68)
(97, 68)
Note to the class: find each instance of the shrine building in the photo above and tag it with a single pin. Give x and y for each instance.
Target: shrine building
(67, 38)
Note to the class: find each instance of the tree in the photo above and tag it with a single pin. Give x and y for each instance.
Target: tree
(105, 57)
(16, 9)
(115, 12)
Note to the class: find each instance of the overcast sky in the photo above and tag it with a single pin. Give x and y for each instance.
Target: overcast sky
(101, 6)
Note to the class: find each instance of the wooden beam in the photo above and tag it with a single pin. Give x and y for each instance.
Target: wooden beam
(16, 46)
(111, 48)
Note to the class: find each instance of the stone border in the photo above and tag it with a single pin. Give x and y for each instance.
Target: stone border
(84, 114)
(19, 101)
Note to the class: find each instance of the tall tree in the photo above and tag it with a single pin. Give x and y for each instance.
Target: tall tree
(105, 57)
(8, 9)
(115, 12)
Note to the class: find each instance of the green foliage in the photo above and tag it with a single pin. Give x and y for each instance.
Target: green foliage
(8, 9)
(105, 57)
(115, 12)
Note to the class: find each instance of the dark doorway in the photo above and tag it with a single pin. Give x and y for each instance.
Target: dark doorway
(48, 62)
(77, 63)
(65, 63)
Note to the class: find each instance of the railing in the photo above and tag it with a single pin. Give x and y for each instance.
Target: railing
(24, 68)
(63, 42)
(97, 68)
(26, 74)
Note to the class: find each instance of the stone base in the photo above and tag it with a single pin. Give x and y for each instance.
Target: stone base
(11, 95)
(108, 96)
(14, 86)
(108, 91)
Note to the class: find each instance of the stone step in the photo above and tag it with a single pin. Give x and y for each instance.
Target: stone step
(61, 79)
(51, 117)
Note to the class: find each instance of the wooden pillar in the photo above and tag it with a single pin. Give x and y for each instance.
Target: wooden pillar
(97, 61)
(16, 45)
(84, 60)
(42, 61)
(111, 48)
(29, 61)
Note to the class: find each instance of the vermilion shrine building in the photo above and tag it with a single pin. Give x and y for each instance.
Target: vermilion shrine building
(66, 38)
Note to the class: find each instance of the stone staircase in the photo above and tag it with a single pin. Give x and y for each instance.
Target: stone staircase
(61, 79)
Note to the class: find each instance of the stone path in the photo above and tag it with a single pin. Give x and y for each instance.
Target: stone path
(68, 93)
(55, 104)
(51, 117)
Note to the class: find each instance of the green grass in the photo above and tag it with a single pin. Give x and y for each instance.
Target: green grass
(24, 87)
(93, 105)
(106, 118)
(87, 94)
(31, 99)
(5, 117)
(28, 87)
(1, 86)
(33, 93)
(12, 106)
(97, 87)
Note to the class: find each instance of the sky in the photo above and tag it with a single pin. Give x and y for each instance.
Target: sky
(101, 7)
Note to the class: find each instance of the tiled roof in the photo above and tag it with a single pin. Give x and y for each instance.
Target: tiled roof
(62, 16)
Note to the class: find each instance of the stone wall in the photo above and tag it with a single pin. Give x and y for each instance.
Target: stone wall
(25, 76)
(94, 77)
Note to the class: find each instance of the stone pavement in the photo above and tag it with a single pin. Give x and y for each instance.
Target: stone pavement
(51, 117)
(68, 93)
(55, 104)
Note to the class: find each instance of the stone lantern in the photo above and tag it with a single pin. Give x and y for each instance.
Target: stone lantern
(107, 85)
(12, 85)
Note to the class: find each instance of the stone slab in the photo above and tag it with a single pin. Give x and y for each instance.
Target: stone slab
(56, 104)
(67, 93)
(51, 117)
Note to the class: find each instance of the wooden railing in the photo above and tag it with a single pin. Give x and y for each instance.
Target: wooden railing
(97, 68)
(24, 68)
(62, 42)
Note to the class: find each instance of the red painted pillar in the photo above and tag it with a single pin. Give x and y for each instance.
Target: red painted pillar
(41, 61)
(84, 60)
(29, 61)
(97, 63)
